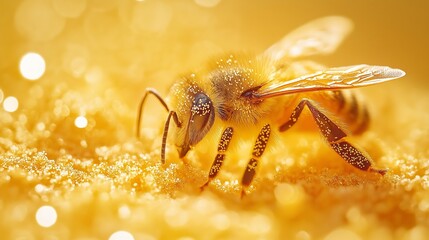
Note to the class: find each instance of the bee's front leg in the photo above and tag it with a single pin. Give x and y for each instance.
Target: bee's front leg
(220, 156)
(171, 114)
(258, 150)
(141, 105)
(335, 137)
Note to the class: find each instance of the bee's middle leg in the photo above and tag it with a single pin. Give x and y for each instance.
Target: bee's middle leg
(258, 150)
(334, 135)
(220, 156)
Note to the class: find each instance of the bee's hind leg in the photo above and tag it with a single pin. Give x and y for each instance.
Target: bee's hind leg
(220, 156)
(335, 137)
(258, 150)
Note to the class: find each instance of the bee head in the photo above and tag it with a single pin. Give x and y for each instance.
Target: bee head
(200, 121)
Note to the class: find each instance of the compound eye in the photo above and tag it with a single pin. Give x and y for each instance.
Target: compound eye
(202, 117)
(250, 94)
(200, 121)
(202, 105)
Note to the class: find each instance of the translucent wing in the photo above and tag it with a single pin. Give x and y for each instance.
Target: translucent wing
(330, 79)
(321, 36)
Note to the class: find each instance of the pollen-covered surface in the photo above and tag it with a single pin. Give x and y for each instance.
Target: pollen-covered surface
(71, 168)
(229, 78)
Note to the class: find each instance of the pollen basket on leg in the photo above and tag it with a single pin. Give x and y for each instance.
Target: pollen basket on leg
(217, 164)
(220, 156)
(329, 129)
(225, 139)
(261, 141)
(351, 155)
(250, 172)
(258, 150)
(335, 137)
(293, 117)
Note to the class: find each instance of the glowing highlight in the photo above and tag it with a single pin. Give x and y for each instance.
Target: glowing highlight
(10, 104)
(46, 216)
(81, 122)
(32, 66)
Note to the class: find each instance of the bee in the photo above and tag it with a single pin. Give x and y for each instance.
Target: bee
(268, 92)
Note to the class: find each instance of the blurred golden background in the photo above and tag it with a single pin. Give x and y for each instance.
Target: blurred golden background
(72, 73)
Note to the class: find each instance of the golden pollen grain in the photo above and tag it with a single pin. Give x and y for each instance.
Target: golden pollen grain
(121, 235)
(81, 122)
(10, 104)
(46, 216)
(32, 66)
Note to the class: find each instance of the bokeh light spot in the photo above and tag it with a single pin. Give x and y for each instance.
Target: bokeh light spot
(10, 104)
(1, 96)
(121, 235)
(78, 66)
(207, 3)
(46, 216)
(124, 212)
(69, 8)
(81, 122)
(32, 66)
(38, 20)
(94, 75)
(342, 233)
(154, 19)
